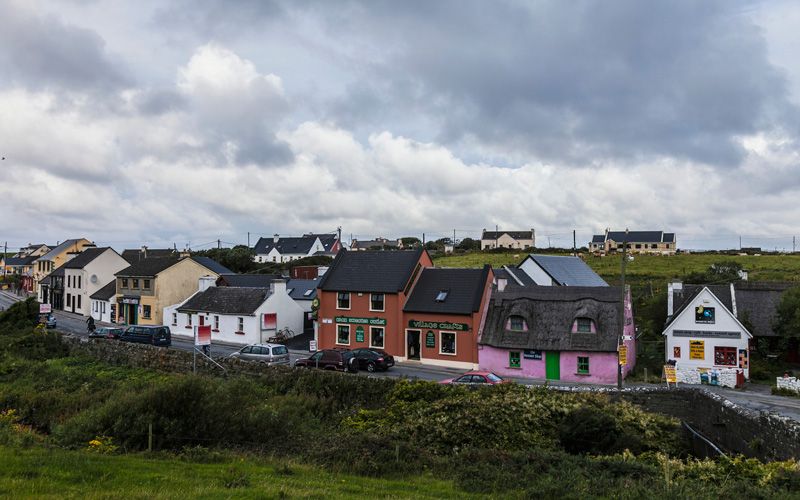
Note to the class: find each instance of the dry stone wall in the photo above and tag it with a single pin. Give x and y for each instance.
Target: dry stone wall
(790, 383)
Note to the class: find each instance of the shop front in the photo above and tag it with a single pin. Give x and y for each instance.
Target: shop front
(128, 310)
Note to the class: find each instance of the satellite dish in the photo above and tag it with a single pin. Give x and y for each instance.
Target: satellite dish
(93, 279)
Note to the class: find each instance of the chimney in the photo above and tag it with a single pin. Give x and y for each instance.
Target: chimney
(501, 284)
(671, 289)
(278, 286)
(185, 253)
(206, 282)
(275, 238)
(143, 251)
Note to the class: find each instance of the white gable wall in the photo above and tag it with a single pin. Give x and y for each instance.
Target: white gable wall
(537, 274)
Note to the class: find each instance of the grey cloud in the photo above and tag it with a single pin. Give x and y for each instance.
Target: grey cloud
(43, 52)
(159, 101)
(218, 18)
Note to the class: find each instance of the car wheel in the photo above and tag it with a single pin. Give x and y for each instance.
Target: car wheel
(371, 367)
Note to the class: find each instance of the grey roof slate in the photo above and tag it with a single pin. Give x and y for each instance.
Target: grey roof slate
(464, 289)
(549, 313)
(599, 238)
(212, 265)
(567, 270)
(635, 237)
(226, 300)
(247, 280)
(66, 245)
(290, 245)
(151, 266)
(84, 258)
(107, 292)
(517, 235)
(515, 278)
(299, 287)
(370, 271)
(756, 303)
(683, 298)
(136, 254)
(19, 261)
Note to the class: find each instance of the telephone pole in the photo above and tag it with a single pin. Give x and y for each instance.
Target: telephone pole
(248, 239)
(5, 255)
(219, 244)
(622, 309)
(574, 244)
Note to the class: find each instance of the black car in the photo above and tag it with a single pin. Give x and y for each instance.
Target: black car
(154, 335)
(372, 359)
(330, 359)
(105, 332)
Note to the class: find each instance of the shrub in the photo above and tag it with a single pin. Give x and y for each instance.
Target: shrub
(588, 430)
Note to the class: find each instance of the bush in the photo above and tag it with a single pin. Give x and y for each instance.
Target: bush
(588, 430)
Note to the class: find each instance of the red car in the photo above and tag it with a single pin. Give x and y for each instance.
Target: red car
(475, 379)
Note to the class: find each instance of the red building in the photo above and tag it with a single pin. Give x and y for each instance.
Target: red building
(394, 300)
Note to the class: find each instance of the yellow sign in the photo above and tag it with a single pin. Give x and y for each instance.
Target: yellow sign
(669, 374)
(623, 355)
(697, 349)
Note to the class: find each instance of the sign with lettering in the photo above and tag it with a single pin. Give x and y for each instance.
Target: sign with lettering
(707, 334)
(623, 355)
(45, 308)
(528, 354)
(669, 374)
(359, 334)
(430, 339)
(312, 345)
(438, 325)
(704, 314)
(130, 300)
(202, 335)
(697, 349)
(347, 320)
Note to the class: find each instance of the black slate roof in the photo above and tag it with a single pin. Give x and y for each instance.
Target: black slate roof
(226, 300)
(549, 313)
(567, 270)
(635, 237)
(599, 238)
(291, 245)
(151, 266)
(515, 278)
(19, 261)
(59, 271)
(84, 258)
(105, 293)
(135, 255)
(464, 289)
(299, 287)
(683, 298)
(212, 265)
(517, 235)
(247, 280)
(756, 303)
(370, 271)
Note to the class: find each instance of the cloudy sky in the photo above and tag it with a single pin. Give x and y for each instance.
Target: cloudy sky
(190, 121)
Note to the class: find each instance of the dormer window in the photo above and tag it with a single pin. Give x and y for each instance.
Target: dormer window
(308, 293)
(442, 295)
(583, 325)
(516, 324)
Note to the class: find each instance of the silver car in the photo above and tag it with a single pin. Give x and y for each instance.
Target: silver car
(271, 354)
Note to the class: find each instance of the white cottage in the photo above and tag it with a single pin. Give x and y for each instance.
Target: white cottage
(237, 315)
(704, 336)
(103, 305)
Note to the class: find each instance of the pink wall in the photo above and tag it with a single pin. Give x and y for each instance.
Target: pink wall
(496, 360)
(602, 365)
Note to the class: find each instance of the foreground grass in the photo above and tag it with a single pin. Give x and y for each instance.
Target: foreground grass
(55, 473)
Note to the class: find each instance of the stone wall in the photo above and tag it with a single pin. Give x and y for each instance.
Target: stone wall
(790, 383)
(726, 377)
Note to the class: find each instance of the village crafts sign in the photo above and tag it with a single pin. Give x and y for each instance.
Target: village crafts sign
(438, 325)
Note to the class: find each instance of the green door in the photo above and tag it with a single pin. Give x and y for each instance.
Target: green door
(552, 365)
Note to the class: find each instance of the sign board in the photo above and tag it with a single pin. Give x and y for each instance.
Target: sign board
(202, 335)
(347, 320)
(627, 337)
(45, 308)
(359, 334)
(708, 334)
(697, 349)
(270, 321)
(623, 355)
(312, 345)
(430, 339)
(528, 354)
(327, 321)
(704, 314)
(130, 300)
(669, 374)
(438, 325)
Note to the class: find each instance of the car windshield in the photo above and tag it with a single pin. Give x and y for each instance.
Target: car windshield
(494, 378)
(279, 350)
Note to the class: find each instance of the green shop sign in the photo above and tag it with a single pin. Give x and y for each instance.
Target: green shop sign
(438, 325)
(360, 321)
(359, 334)
(430, 339)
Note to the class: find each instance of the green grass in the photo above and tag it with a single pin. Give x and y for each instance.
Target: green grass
(54, 473)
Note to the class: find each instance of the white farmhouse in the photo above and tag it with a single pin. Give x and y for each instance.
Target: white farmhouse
(86, 273)
(278, 249)
(237, 315)
(704, 336)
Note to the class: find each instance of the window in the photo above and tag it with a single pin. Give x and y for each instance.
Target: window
(513, 359)
(273, 259)
(189, 319)
(442, 295)
(676, 352)
(704, 314)
(583, 325)
(638, 245)
(146, 284)
(308, 293)
(79, 281)
(146, 312)
(79, 301)
(725, 356)
(343, 300)
(103, 307)
(69, 280)
(174, 319)
(653, 246)
(240, 325)
(216, 322)
(343, 334)
(201, 320)
(124, 282)
(447, 343)
(376, 302)
(135, 283)
(583, 365)
(517, 324)
(376, 337)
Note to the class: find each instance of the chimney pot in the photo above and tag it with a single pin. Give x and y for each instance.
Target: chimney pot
(275, 238)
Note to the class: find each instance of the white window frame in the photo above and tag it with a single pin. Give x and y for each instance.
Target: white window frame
(370, 337)
(349, 333)
(455, 344)
(370, 302)
(189, 319)
(216, 322)
(349, 302)
(174, 319)
(240, 324)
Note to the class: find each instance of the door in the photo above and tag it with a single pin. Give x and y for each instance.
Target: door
(552, 365)
(412, 344)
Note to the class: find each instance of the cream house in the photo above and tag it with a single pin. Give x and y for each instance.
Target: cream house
(87, 273)
(508, 239)
(53, 259)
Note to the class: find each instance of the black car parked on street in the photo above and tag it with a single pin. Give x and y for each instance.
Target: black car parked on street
(153, 335)
(330, 359)
(372, 359)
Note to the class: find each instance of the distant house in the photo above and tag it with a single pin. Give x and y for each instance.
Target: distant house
(376, 244)
(51, 289)
(278, 249)
(508, 239)
(557, 333)
(558, 270)
(652, 242)
(54, 259)
(86, 274)
(33, 250)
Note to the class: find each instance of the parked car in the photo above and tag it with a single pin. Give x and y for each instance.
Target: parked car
(105, 332)
(270, 354)
(372, 359)
(155, 335)
(51, 321)
(330, 359)
(476, 379)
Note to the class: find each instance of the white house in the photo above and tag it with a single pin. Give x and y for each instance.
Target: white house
(237, 315)
(87, 273)
(703, 334)
(103, 305)
(277, 249)
(508, 239)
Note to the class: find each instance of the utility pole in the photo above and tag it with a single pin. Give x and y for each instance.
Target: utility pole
(5, 253)
(622, 309)
(574, 244)
(454, 239)
(248, 239)
(793, 244)
(496, 236)
(740, 242)
(219, 244)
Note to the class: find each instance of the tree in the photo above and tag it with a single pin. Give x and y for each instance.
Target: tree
(468, 244)
(718, 272)
(787, 314)
(410, 242)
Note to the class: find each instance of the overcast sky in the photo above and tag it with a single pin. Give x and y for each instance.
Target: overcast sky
(157, 122)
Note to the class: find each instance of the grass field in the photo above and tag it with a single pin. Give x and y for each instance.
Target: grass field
(54, 473)
(653, 268)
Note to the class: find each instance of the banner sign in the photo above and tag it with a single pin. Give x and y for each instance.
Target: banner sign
(130, 300)
(438, 325)
(270, 321)
(430, 339)
(360, 321)
(312, 345)
(708, 334)
(529, 354)
(45, 308)
(623, 355)
(202, 335)
(669, 374)
(359, 334)
(697, 349)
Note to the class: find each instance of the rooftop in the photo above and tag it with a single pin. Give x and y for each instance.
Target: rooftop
(370, 271)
